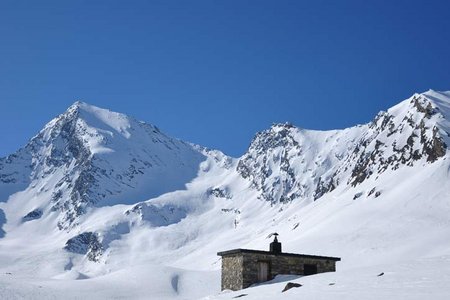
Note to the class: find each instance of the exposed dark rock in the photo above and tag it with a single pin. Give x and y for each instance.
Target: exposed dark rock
(232, 210)
(357, 195)
(220, 193)
(32, 215)
(434, 148)
(2, 221)
(422, 142)
(256, 165)
(86, 243)
(291, 285)
(424, 107)
(323, 187)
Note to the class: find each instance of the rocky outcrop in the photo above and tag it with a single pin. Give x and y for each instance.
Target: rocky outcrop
(158, 215)
(267, 163)
(396, 139)
(32, 215)
(219, 193)
(86, 243)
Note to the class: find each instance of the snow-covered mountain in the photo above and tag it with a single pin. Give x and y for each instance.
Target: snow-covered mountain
(90, 157)
(287, 163)
(100, 196)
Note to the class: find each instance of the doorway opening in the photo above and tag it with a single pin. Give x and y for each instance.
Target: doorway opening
(263, 271)
(309, 269)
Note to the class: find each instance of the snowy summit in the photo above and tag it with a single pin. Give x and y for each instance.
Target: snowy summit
(101, 205)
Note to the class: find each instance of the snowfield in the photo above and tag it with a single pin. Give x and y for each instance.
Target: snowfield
(101, 206)
(399, 281)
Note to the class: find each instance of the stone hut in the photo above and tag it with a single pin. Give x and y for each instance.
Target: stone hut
(243, 267)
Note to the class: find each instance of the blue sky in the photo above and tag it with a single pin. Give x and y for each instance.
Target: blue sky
(216, 72)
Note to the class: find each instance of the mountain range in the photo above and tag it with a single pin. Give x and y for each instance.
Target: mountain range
(101, 205)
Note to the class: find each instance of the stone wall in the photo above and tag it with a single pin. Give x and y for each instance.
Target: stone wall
(279, 264)
(232, 272)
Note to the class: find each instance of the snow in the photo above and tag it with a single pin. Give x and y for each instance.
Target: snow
(99, 117)
(161, 233)
(139, 282)
(419, 279)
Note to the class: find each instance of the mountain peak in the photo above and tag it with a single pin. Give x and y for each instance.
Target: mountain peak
(282, 125)
(101, 119)
(78, 103)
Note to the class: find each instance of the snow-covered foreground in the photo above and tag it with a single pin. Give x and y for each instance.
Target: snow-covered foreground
(87, 212)
(417, 279)
(143, 282)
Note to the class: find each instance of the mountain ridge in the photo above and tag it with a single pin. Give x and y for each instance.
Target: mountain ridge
(81, 137)
(367, 153)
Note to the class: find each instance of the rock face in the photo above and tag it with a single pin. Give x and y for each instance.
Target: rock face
(405, 134)
(276, 147)
(32, 215)
(86, 243)
(158, 216)
(15, 171)
(286, 163)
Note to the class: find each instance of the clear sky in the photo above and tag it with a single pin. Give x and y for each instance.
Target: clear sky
(216, 72)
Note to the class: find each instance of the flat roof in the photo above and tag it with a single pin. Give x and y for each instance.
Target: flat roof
(238, 251)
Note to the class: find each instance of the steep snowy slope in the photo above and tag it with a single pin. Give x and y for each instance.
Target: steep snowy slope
(134, 202)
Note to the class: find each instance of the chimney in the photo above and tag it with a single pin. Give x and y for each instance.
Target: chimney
(275, 246)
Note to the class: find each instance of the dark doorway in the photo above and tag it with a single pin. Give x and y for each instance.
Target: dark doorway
(309, 269)
(263, 271)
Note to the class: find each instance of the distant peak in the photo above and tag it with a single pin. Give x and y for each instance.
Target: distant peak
(283, 125)
(86, 108)
(100, 118)
(78, 104)
(83, 105)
